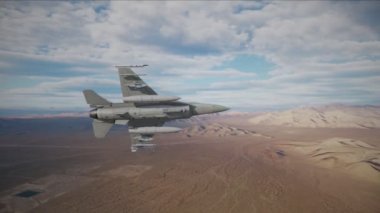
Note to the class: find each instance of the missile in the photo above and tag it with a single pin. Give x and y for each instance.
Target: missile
(136, 146)
(143, 139)
(154, 129)
(150, 98)
(141, 145)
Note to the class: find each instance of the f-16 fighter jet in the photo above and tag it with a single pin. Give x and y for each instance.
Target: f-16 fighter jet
(142, 109)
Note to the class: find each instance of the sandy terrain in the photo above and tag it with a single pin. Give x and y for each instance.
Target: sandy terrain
(228, 165)
(348, 155)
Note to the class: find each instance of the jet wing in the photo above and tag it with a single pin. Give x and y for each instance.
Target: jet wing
(131, 83)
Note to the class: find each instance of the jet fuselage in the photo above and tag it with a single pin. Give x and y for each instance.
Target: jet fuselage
(167, 112)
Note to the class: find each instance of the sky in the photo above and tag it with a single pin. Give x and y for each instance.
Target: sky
(249, 56)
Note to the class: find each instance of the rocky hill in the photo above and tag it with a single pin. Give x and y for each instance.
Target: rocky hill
(333, 116)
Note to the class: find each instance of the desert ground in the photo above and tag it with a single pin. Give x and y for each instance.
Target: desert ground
(220, 164)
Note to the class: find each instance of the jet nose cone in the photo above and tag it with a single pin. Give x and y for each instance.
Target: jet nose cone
(219, 108)
(200, 109)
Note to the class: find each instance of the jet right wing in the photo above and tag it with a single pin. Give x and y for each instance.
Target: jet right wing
(131, 83)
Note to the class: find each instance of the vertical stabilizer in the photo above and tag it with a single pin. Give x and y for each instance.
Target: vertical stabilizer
(95, 100)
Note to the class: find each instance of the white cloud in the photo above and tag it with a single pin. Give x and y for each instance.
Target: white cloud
(4, 64)
(329, 35)
(322, 51)
(50, 87)
(226, 73)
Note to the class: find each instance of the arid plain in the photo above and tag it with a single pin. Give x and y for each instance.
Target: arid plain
(224, 163)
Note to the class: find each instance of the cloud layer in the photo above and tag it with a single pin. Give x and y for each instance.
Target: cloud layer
(315, 52)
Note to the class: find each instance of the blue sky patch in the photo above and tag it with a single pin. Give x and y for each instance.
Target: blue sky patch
(250, 63)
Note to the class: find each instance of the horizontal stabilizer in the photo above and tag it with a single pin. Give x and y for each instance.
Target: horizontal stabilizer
(95, 100)
(101, 128)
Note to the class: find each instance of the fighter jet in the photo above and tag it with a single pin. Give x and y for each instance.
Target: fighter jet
(142, 109)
